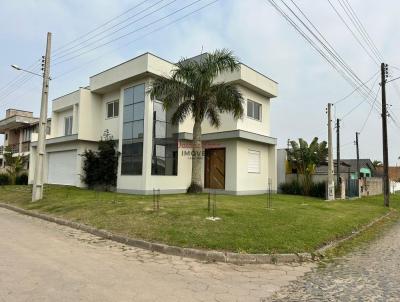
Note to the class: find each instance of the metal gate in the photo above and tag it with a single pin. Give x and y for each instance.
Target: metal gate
(352, 188)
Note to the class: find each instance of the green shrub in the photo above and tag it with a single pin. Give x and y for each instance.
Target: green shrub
(22, 179)
(292, 188)
(100, 167)
(4, 179)
(318, 190)
(296, 188)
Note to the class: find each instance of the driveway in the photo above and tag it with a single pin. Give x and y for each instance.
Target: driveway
(43, 261)
(370, 274)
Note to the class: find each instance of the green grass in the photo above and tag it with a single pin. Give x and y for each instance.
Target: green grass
(295, 224)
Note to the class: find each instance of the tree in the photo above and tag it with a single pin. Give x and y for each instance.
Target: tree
(192, 91)
(100, 167)
(377, 163)
(14, 164)
(306, 158)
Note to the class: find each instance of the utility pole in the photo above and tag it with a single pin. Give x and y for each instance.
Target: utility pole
(331, 183)
(358, 156)
(338, 152)
(37, 190)
(386, 189)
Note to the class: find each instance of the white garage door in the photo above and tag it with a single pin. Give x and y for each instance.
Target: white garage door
(62, 167)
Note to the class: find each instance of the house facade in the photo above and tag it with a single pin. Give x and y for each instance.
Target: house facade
(238, 158)
(17, 128)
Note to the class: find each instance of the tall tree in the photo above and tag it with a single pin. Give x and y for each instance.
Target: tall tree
(192, 91)
(306, 158)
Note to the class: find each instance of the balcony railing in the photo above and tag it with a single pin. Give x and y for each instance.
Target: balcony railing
(17, 148)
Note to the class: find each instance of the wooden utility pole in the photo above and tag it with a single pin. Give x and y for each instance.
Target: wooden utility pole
(358, 156)
(331, 183)
(386, 189)
(37, 190)
(338, 152)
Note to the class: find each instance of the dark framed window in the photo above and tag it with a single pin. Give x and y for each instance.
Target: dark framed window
(133, 130)
(112, 109)
(254, 110)
(165, 148)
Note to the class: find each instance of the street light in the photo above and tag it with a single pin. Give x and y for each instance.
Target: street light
(37, 189)
(28, 71)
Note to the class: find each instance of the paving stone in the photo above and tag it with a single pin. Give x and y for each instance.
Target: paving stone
(370, 273)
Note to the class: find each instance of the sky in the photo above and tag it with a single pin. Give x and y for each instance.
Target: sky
(252, 29)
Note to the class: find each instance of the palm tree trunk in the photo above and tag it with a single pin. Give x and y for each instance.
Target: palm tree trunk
(197, 156)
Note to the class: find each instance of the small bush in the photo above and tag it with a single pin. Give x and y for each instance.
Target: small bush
(4, 179)
(292, 188)
(296, 188)
(318, 190)
(22, 179)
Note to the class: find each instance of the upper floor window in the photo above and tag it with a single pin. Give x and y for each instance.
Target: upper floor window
(112, 109)
(254, 110)
(68, 125)
(26, 134)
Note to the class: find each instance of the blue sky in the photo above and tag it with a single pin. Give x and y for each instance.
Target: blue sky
(252, 29)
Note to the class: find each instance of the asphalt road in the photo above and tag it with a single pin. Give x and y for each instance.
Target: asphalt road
(42, 261)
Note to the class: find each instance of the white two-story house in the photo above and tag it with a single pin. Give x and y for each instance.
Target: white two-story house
(239, 157)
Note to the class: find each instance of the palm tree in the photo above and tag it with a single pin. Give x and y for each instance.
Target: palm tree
(192, 91)
(306, 158)
(14, 164)
(377, 163)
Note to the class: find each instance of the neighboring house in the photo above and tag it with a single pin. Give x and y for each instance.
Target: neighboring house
(17, 128)
(240, 156)
(394, 177)
(394, 173)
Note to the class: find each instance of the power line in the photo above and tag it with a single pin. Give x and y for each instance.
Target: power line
(362, 28)
(358, 87)
(352, 32)
(59, 56)
(98, 27)
(131, 32)
(359, 104)
(344, 70)
(369, 113)
(138, 38)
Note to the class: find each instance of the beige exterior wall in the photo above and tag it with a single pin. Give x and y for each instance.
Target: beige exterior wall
(255, 182)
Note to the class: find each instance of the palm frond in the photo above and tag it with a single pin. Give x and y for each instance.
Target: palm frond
(227, 98)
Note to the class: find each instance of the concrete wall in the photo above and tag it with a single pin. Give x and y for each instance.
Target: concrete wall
(394, 186)
(371, 186)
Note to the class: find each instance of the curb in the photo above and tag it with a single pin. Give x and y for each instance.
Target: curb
(202, 255)
(322, 251)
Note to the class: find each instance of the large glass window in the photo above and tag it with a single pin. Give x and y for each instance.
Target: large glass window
(132, 132)
(165, 149)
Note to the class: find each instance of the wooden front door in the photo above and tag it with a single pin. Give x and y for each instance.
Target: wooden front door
(214, 172)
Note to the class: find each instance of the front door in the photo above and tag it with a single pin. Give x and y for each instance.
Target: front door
(214, 170)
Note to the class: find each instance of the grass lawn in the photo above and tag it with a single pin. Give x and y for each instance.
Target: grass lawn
(295, 224)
